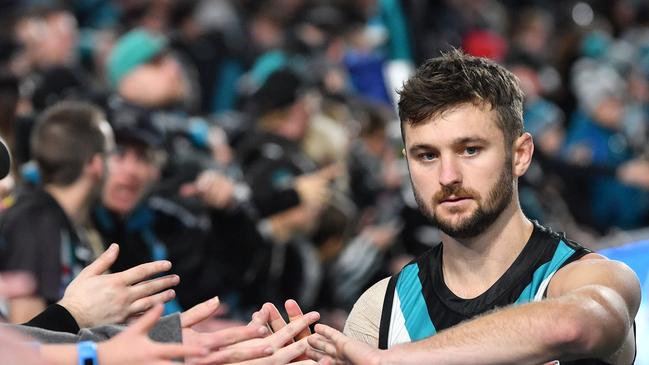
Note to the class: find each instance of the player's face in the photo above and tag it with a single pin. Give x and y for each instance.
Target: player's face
(461, 173)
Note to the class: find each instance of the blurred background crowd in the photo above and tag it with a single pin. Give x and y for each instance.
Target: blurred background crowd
(257, 145)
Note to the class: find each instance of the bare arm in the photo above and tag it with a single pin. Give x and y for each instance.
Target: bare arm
(23, 309)
(588, 314)
(18, 287)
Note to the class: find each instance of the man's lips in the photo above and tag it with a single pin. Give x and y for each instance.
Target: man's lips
(454, 199)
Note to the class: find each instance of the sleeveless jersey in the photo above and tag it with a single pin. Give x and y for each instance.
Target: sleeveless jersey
(418, 304)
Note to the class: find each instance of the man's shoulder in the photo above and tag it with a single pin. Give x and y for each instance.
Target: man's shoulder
(31, 207)
(365, 317)
(374, 294)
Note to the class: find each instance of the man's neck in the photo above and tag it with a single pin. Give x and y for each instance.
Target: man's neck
(471, 266)
(74, 199)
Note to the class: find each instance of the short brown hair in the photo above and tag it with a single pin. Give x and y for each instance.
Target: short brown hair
(66, 136)
(456, 78)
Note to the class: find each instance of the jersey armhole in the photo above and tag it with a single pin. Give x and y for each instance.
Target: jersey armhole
(386, 312)
(543, 293)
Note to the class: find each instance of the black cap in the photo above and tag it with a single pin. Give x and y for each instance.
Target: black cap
(326, 17)
(5, 160)
(280, 90)
(135, 124)
(55, 84)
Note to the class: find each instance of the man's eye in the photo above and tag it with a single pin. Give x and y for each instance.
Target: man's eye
(427, 156)
(471, 151)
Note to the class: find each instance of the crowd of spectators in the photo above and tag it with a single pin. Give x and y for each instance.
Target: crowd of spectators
(254, 143)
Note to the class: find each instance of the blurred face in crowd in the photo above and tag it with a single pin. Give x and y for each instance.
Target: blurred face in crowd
(266, 32)
(300, 115)
(609, 112)
(132, 168)
(158, 83)
(50, 40)
(460, 169)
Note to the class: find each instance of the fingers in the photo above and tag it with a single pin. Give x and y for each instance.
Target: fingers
(294, 312)
(260, 318)
(326, 331)
(313, 354)
(288, 332)
(321, 346)
(275, 319)
(230, 336)
(327, 361)
(176, 350)
(236, 354)
(212, 187)
(146, 303)
(281, 356)
(147, 321)
(102, 263)
(216, 189)
(153, 286)
(199, 312)
(141, 272)
(339, 346)
(332, 335)
(290, 352)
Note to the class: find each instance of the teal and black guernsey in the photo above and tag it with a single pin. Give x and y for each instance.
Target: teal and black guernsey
(418, 304)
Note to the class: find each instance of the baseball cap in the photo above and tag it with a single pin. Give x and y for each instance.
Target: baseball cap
(280, 90)
(135, 124)
(133, 49)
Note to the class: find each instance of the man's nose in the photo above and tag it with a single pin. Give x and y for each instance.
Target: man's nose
(449, 173)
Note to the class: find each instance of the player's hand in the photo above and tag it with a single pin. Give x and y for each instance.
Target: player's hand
(280, 347)
(94, 298)
(133, 345)
(269, 316)
(329, 346)
(217, 343)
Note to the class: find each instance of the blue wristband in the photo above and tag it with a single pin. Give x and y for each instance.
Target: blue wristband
(87, 351)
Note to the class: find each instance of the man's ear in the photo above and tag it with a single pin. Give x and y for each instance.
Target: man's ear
(523, 149)
(96, 165)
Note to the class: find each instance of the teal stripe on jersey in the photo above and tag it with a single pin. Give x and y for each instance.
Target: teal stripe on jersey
(413, 305)
(561, 254)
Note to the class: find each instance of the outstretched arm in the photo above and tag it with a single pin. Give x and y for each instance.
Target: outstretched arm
(588, 314)
(132, 346)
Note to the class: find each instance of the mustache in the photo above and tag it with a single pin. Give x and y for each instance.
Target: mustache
(456, 191)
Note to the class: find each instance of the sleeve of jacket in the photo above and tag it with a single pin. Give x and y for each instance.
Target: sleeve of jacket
(166, 330)
(55, 318)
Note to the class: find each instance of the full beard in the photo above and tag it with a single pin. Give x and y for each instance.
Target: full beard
(484, 216)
